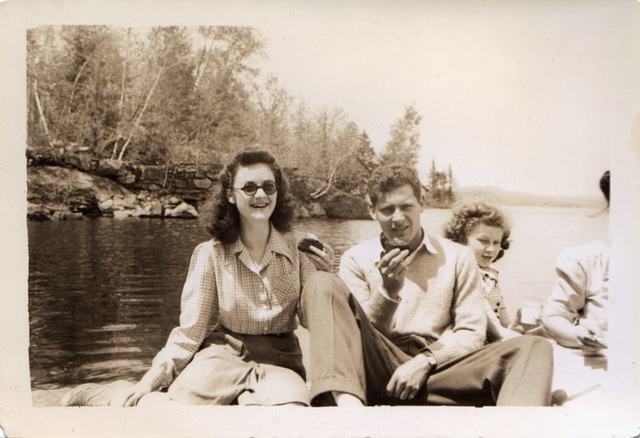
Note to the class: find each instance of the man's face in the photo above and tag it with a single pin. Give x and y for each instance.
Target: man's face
(398, 213)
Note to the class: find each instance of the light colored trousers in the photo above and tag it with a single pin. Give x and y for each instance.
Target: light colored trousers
(348, 354)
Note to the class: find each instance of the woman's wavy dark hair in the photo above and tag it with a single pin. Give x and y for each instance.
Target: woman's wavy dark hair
(224, 224)
(468, 216)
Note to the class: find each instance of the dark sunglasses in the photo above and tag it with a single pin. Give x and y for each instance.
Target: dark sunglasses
(250, 188)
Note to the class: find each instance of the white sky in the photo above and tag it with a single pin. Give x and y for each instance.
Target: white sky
(520, 95)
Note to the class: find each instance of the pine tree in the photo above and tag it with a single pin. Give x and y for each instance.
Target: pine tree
(404, 145)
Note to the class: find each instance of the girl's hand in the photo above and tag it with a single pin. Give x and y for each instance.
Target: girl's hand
(516, 328)
(509, 333)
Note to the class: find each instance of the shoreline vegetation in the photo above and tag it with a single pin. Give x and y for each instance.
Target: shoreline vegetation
(71, 186)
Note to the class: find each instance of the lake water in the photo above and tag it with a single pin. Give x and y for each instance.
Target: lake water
(104, 294)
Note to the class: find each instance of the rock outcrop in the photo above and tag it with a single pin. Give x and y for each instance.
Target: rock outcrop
(70, 186)
(60, 193)
(341, 205)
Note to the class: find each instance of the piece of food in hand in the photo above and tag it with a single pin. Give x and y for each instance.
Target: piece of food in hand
(390, 244)
(307, 242)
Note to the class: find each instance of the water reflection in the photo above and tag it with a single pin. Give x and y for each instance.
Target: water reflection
(104, 294)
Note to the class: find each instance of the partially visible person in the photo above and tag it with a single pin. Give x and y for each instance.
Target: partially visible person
(235, 343)
(485, 230)
(575, 315)
(405, 323)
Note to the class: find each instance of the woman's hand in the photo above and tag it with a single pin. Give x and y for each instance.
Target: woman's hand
(131, 395)
(321, 258)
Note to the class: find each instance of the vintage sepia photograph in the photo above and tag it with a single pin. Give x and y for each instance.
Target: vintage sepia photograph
(320, 219)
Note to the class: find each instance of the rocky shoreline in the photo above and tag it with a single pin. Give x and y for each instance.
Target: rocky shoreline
(72, 186)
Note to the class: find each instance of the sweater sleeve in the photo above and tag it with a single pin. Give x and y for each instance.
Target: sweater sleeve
(199, 314)
(378, 306)
(468, 329)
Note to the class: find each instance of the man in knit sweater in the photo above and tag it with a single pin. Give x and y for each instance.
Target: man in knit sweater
(406, 324)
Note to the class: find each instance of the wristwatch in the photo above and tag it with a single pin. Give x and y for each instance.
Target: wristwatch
(431, 359)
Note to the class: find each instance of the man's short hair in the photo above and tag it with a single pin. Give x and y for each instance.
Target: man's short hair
(387, 178)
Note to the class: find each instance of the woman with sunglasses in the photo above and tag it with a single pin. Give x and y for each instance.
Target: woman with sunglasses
(235, 343)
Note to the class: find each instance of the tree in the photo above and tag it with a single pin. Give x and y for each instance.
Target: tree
(70, 71)
(404, 145)
(365, 154)
(89, 113)
(168, 93)
(302, 138)
(225, 116)
(440, 186)
(273, 116)
(451, 183)
(168, 88)
(356, 167)
(328, 147)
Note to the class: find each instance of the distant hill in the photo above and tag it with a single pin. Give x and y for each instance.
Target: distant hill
(493, 195)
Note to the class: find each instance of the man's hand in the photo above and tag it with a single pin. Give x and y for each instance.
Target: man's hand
(409, 377)
(591, 342)
(392, 268)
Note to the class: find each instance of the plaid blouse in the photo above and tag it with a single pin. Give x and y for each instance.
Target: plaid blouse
(224, 286)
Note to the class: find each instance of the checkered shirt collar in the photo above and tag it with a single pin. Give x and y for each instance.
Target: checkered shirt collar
(276, 244)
